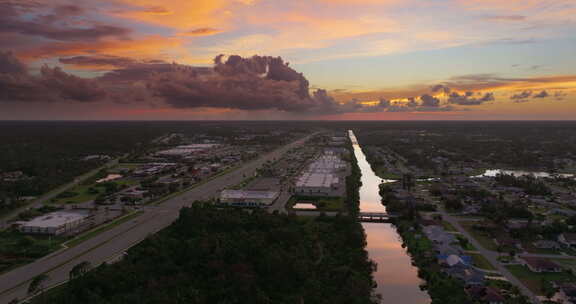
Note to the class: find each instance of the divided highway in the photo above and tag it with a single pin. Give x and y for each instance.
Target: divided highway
(113, 242)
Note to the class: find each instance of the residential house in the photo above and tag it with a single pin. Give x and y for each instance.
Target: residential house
(507, 242)
(452, 259)
(540, 264)
(466, 274)
(486, 294)
(438, 235)
(566, 293)
(546, 244)
(448, 249)
(568, 239)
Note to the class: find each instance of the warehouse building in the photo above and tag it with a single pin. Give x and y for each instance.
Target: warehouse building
(323, 177)
(54, 223)
(248, 198)
(317, 184)
(186, 150)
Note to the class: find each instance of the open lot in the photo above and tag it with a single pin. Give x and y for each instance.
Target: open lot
(481, 237)
(481, 262)
(533, 280)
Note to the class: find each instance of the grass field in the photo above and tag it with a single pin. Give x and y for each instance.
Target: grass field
(129, 166)
(533, 280)
(483, 239)
(81, 196)
(448, 227)
(382, 173)
(127, 181)
(469, 246)
(481, 262)
(84, 196)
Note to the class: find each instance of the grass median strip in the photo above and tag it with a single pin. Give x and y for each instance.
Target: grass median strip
(89, 234)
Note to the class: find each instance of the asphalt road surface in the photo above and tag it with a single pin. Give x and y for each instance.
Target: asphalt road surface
(111, 243)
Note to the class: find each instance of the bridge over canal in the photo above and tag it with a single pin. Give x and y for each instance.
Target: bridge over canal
(375, 217)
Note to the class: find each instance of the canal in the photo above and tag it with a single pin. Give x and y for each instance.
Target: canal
(397, 279)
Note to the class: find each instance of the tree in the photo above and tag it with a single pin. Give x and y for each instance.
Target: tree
(547, 288)
(80, 269)
(37, 284)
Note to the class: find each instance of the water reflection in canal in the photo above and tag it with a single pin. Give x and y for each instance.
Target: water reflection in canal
(397, 279)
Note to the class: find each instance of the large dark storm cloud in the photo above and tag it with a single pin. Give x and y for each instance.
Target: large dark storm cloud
(259, 82)
(52, 84)
(255, 83)
(469, 99)
(60, 22)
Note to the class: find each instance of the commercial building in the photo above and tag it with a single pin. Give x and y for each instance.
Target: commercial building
(186, 150)
(322, 177)
(248, 198)
(317, 184)
(54, 223)
(153, 169)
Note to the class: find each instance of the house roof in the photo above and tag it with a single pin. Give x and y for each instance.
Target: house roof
(569, 236)
(545, 243)
(569, 289)
(507, 241)
(467, 274)
(540, 263)
(453, 259)
(488, 294)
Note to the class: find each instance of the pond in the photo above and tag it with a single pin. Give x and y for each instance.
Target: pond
(108, 178)
(304, 206)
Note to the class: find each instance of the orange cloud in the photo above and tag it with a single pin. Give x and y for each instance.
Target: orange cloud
(204, 31)
(181, 15)
(476, 83)
(365, 2)
(152, 46)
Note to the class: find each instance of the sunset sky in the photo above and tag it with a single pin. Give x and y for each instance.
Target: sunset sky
(359, 59)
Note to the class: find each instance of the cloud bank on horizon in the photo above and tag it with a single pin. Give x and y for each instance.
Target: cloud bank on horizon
(504, 57)
(255, 83)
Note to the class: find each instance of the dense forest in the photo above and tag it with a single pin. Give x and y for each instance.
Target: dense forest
(231, 256)
(50, 154)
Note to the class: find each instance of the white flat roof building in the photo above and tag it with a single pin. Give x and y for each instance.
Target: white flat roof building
(186, 149)
(327, 163)
(316, 180)
(53, 223)
(321, 177)
(248, 198)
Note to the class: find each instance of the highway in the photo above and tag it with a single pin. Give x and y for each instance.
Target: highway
(111, 243)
